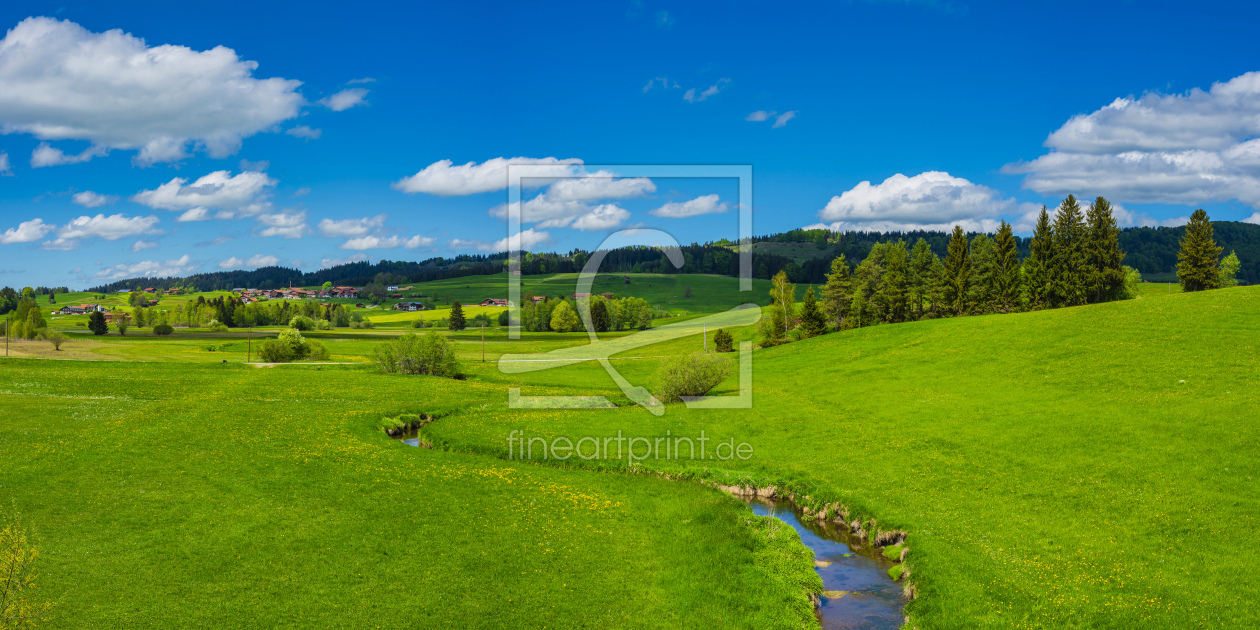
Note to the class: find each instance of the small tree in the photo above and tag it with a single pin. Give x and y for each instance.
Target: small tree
(121, 325)
(813, 322)
(599, 317)
(564, 318)
(429, 354)
(783, 310)
(1198, 267)
(457, 316)
(163, 329)
(18, 609)
(723, 341)
(97, 324)
(56, 338)
(1229, 269)
(691, 375)
(302, 323)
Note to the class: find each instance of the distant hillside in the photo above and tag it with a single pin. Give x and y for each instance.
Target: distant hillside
(806, 254)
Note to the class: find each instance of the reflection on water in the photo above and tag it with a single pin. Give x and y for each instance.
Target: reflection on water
(867, 597)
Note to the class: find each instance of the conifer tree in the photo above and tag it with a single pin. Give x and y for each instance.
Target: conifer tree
(457, 316)
(1006, 271)
(1197, 265)
(600, 318)
(1106, 259)
(838, 292)
(96, 323)
(813, 322)
(1037, 268)
(922, 277)
(1070, 272)
(894, 285)
(957, 272)
(936, 290)
(983, 265)
(867, 279)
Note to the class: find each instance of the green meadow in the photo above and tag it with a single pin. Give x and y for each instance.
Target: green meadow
(1086, 467)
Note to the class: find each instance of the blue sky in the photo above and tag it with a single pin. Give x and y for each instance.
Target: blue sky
(309, 134)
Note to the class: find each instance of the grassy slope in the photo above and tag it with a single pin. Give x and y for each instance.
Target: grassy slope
(225, 496)
(1085, 467)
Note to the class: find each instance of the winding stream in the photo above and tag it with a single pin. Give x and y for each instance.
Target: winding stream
(871, 599)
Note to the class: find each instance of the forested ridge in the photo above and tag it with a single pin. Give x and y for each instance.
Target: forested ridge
(1149, 250)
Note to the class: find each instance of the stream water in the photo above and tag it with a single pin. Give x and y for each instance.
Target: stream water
(871, 600)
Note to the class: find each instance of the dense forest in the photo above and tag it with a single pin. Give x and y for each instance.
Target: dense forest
(1149, 250)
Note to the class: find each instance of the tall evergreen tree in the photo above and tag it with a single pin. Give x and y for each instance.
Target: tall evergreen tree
(1038, 266)
(922, 277)
(1198, 266)
(1006, 271)
(1070, 272)
(1106, 259)
(867, 279)
(894, 286)
(599, 316)
(813, 322)
(96, 323)
(838, 292)
(456, 321)
(983, 266)
(957, 272)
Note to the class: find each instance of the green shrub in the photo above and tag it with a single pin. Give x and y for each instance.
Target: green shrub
(289, 346)
(163, 329)
(302, 322)
(723, 341)
(420, 323)
(691, 375)
(318, 352)
(323, 324)
(430, 354)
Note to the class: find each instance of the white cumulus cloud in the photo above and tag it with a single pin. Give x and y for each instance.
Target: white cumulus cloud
(932, 200)
(287, 224)
(446, 179)
(1190, 148)
(89, 199)
(5, 167)
(344, 228)
(181, 266)
(526, 240)
(26, 232)
(706, 204)
(387, 242)
(345, 99)
(333, 262)
(110, 228)
(304, 132)
(59, 81)
(219, 189)
(142, 245)
(255, 261)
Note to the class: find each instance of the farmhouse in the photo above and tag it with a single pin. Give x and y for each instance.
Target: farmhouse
(409, 306)
(493, 302)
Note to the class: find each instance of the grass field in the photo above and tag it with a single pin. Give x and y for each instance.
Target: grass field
(1087, 467)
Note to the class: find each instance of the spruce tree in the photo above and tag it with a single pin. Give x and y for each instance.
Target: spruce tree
(1070, 272)
(922, 260)
(813, 322)
(1006, 271)
(867, 279)
(96, 323)
(1106, 259)
(599, 316)
(1198, 267)
(983, 266)
(894, 286)
(1037, 268)
(457, 316)
(957, 272)
(838, 292)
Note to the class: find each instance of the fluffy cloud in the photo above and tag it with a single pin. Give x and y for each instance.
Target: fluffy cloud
(567, 201)
(345, 99)
(692, 97)
(346, 228)
(760, 115)
(445, 179)
(48, 155)
(601, 217)
(217, 190)
(142, 245)
(1186, 148)
(527, 240)
(26, 232)
(783, 119)
(110, 228)
(927, 201)
(59, 81)
(255, 261)
(390, 242)
(181, 266)
(194, 214)
(707, 204)
(89, 199)
(333, 262)
(285, 224)
(306, 133)
(5, 167)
